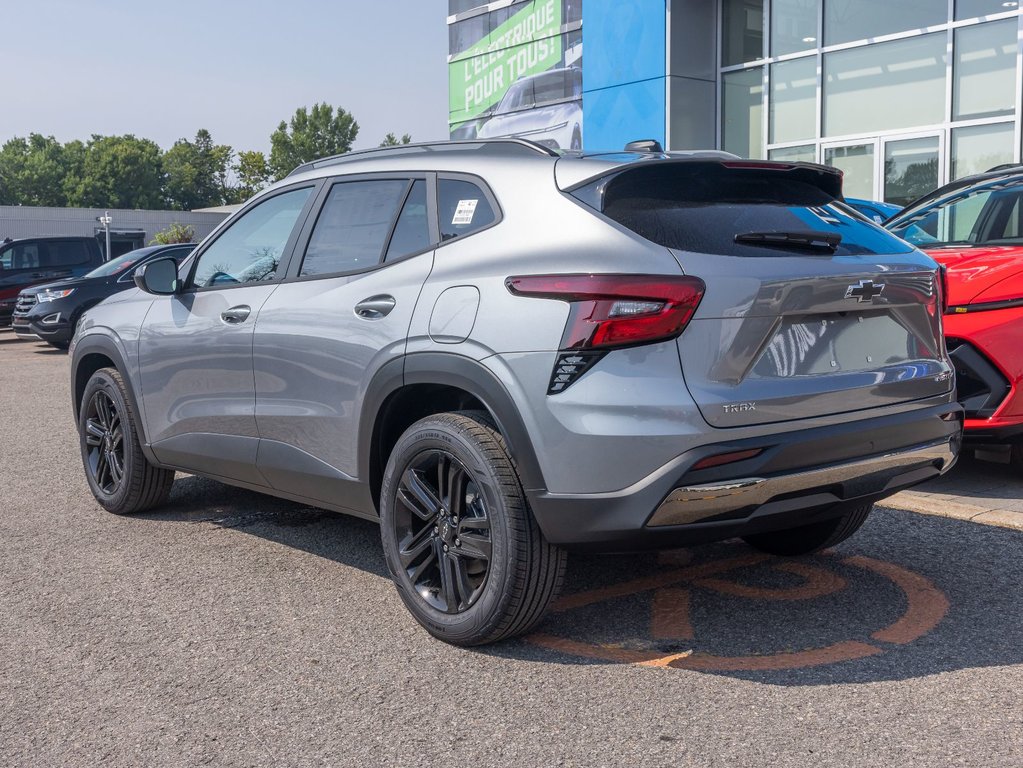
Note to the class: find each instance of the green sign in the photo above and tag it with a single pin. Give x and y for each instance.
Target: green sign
(526, 44)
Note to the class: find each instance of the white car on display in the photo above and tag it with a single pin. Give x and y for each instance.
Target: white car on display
(545, 108)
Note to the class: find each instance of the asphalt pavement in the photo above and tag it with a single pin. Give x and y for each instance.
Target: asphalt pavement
(233, 629)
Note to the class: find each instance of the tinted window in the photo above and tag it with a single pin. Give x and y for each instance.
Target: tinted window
(23, 256)
(251, 248)
(412, 232)
(463, 208)
(989, 214)
(701, 207)
(65, 253)
(352, 228)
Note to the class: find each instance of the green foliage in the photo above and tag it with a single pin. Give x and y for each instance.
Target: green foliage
(196, 173)
(253, 172)
(175, 233)
(118, 172)
(390, 140)
(311, 134)
(33, 170)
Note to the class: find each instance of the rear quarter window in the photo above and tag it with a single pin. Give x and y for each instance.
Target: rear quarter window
(702, 207)
(463, 207)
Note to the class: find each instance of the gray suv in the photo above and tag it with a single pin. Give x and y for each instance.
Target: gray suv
(498, 351)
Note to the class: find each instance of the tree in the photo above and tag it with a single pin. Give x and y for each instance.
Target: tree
(33, 169)
(175, 233)
(119, 172)
(310, 136)
(253, 174)
(390, 140)
(196, 172)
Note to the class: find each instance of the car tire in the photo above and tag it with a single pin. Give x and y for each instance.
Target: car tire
(465, 552)
(62, 345)
(119, 475)
(807, 539)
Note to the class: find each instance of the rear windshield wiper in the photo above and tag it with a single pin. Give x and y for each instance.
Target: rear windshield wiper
(821, 241)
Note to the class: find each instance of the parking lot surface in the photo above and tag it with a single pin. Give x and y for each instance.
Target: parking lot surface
(229, 628)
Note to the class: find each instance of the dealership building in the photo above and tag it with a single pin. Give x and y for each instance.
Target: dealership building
(902, 95)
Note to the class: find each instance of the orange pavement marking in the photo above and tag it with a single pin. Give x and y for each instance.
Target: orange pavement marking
(647, 583)
(818, 583)
(927, 605)
(669, 614)
(847, 650)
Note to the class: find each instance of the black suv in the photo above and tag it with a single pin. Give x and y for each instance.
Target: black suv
(39, 260)
(51, 311)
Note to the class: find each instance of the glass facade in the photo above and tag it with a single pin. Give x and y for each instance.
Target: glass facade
(903, 97)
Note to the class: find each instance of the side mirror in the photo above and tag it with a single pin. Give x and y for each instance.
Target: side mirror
(159, 277)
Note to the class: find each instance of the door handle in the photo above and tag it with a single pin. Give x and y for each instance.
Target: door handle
(235, 315)
(375, 307)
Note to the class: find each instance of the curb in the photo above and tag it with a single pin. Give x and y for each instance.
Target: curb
(928, 504)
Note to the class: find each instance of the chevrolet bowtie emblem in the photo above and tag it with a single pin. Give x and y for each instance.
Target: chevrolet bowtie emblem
(864, 291)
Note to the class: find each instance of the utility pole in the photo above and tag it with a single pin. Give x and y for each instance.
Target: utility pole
(105, 220)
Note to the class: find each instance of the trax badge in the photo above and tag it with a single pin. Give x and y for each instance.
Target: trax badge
(739, 407)
(865, 290)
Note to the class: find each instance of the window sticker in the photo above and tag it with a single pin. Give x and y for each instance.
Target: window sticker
(464, 212)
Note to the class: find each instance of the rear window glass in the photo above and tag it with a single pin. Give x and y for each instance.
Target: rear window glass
(704, 207)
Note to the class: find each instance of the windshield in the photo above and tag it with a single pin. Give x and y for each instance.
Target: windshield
(990, 213)
(116, 266)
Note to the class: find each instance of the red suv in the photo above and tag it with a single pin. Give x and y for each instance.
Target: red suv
(974, 228)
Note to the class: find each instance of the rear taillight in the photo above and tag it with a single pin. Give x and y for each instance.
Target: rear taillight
(610, 312)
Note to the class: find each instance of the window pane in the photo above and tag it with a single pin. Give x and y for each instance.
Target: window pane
(742, 31)
(985, 70)
(900, 84)
(793, 26)
(64, 253)
(968, 9)
(412, 232)
(743, 96)
(910, 169)
(251, 248)
(463, 208)
(857, 163)
(984, 214)
(804, 154)
(352, 227)
(980, 148)
(845, 21)
(794, 100)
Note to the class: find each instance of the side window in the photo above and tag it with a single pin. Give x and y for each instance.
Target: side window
(412, 232)
(7, 258)
(27, 256)
(250, 249)
(66, 253)
(463, 208)
(353, 225)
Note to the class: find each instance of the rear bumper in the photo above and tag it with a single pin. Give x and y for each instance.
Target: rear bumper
(798, 478)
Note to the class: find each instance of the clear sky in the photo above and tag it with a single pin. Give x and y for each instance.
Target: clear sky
(162, 69)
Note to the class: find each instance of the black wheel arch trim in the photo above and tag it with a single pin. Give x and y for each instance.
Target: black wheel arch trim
(97, 343)
(459, 371)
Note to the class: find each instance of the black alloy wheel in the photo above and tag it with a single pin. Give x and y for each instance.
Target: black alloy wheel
(119, 474)
(104, 440)
(443, 530)
(467, 556)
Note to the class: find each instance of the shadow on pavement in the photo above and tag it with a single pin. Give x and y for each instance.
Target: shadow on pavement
(908, 596)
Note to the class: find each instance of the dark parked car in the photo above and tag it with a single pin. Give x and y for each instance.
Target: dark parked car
(51, 311)
(35, 260)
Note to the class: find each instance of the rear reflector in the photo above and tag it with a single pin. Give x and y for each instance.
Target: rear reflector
(613, 311)
(726, 458)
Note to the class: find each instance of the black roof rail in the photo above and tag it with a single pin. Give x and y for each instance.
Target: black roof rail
(480, 145)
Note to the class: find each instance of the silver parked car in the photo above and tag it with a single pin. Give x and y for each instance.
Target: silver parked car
(499, 351)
